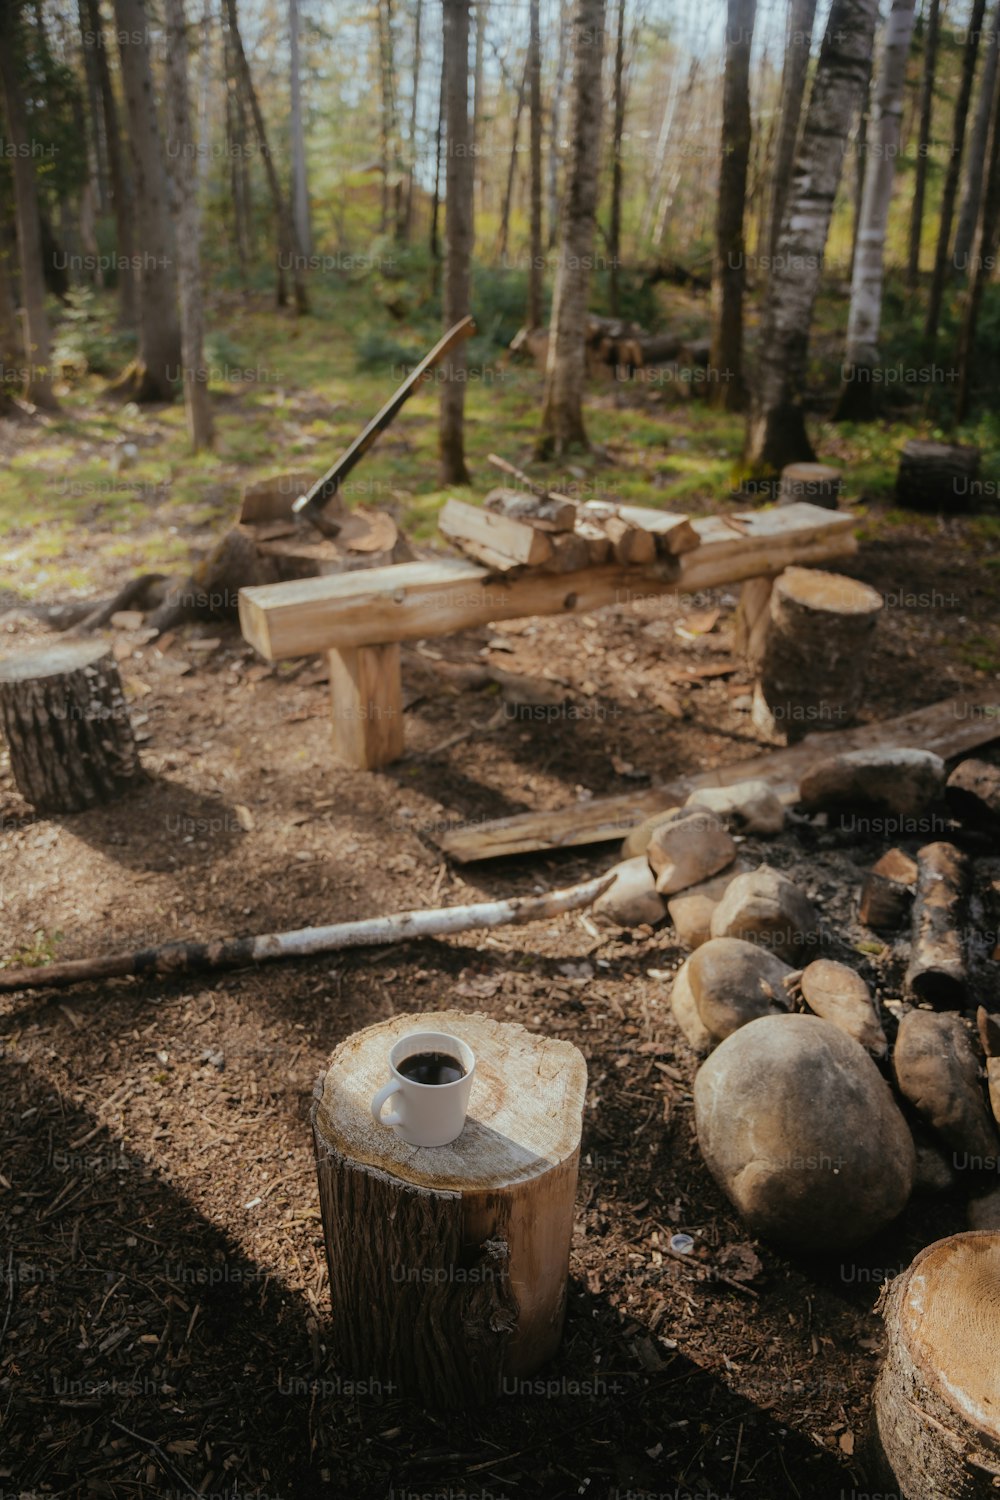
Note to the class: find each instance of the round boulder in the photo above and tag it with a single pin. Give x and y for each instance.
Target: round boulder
(801, 1131)
(733, 983)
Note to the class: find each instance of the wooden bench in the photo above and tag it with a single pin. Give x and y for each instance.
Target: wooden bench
(359, 619)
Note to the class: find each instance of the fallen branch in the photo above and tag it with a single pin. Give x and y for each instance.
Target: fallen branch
(234, 953)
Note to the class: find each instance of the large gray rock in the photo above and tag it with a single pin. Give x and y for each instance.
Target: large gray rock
(637, 839)
(840, 995)
(632, 900)
(682, 1003)
(903, 782)
(733, 983)
(745, 807)
(937, 1071)
(801, 1131)
(766, 907)
(691, 910)
(688, 849)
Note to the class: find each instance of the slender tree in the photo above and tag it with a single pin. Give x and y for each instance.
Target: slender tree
(555, 121)
(859, 158)
(950, 190)
(794, 71)
(412, 134)
(975, 167)
(435, 238)
(983, 257)
(38, 367)
(536, 251)
(857, 396)
(562, 414)
(515, 134)
(617, 172)
(776, 433)
(90, 42)
(196, 403)
(923, 141)
(729, 272)
(459, 182)
(300, 184)
(122, 193)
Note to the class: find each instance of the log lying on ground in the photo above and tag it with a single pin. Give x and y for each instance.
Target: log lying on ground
(812, 667)
(936, 476)
(936, 971)
(448, 1265)
(936, 1416)
(67, 727)
(235, 953)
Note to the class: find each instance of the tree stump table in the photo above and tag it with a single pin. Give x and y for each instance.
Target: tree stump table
(813, 656)
(67, 727)
(448, 1265)
(936, 1406)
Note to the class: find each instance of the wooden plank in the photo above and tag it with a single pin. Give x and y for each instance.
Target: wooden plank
(367, 693)
(409, 601)
(949, 728)
(476, 530)
(674, 534)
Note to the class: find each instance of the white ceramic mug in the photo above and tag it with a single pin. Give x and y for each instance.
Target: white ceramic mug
(426, 1114)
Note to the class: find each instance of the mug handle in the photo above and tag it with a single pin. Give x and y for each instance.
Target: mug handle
(384, 1093)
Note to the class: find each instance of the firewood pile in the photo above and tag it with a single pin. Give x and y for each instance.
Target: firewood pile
(534, 527)
(617, 347)
(825, 1100)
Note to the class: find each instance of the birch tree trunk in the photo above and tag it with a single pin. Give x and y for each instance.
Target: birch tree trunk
(459, 183)
(975, 166)
(729, 274)
(794, 72)
(562, 415)
(535, 166)
(923, 142)
(776, 432)
(300, 185)
(983, 255)
(617, 175)
(38, 376)
(199, 415)
(555, 124)
(155, 372)
(857, 396)
(950, 189)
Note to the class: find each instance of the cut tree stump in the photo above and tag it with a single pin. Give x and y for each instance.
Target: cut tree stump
(448, 1265)
(937, 476)
(812, 660)
(936, 1405)
(67, 727)
(820, 484)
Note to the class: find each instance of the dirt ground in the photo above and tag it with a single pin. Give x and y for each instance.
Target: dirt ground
(164, 1312)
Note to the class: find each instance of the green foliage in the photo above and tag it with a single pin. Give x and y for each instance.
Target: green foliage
(85, 342)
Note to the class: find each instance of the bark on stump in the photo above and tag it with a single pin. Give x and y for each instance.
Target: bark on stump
(819, 484)
(936, 476)
(67, 727)
(448, 1266)
(936, 1406)
(812, 662)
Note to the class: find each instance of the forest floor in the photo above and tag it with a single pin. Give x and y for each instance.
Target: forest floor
(164, 1304)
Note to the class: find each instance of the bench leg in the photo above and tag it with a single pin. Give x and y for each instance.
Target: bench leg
(367, 691)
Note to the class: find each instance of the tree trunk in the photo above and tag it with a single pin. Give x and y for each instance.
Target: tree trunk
(924, 141)
(459, 181)
(196, 403)
(122, 193)
(729, 278)
(537, 253)
(860, 158)
(67, 727)
(975, 166)
(794, 72)
(562, 416)
(504, 229)
(555, 123)
(776, 431)
(90, 41)
(239, 179)
(950, 189)
(983, 258)
(448, 1265)
(857, 396)
(300, 185)
(290, 255)
(935, 1428)
(204, 95)
(617, 173)
(812, 660)
(435, 238)
(154, 374)
(479, 8)
(412, 143)
(38, 367)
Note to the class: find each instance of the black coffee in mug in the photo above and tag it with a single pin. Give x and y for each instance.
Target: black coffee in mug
(431, 1067)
